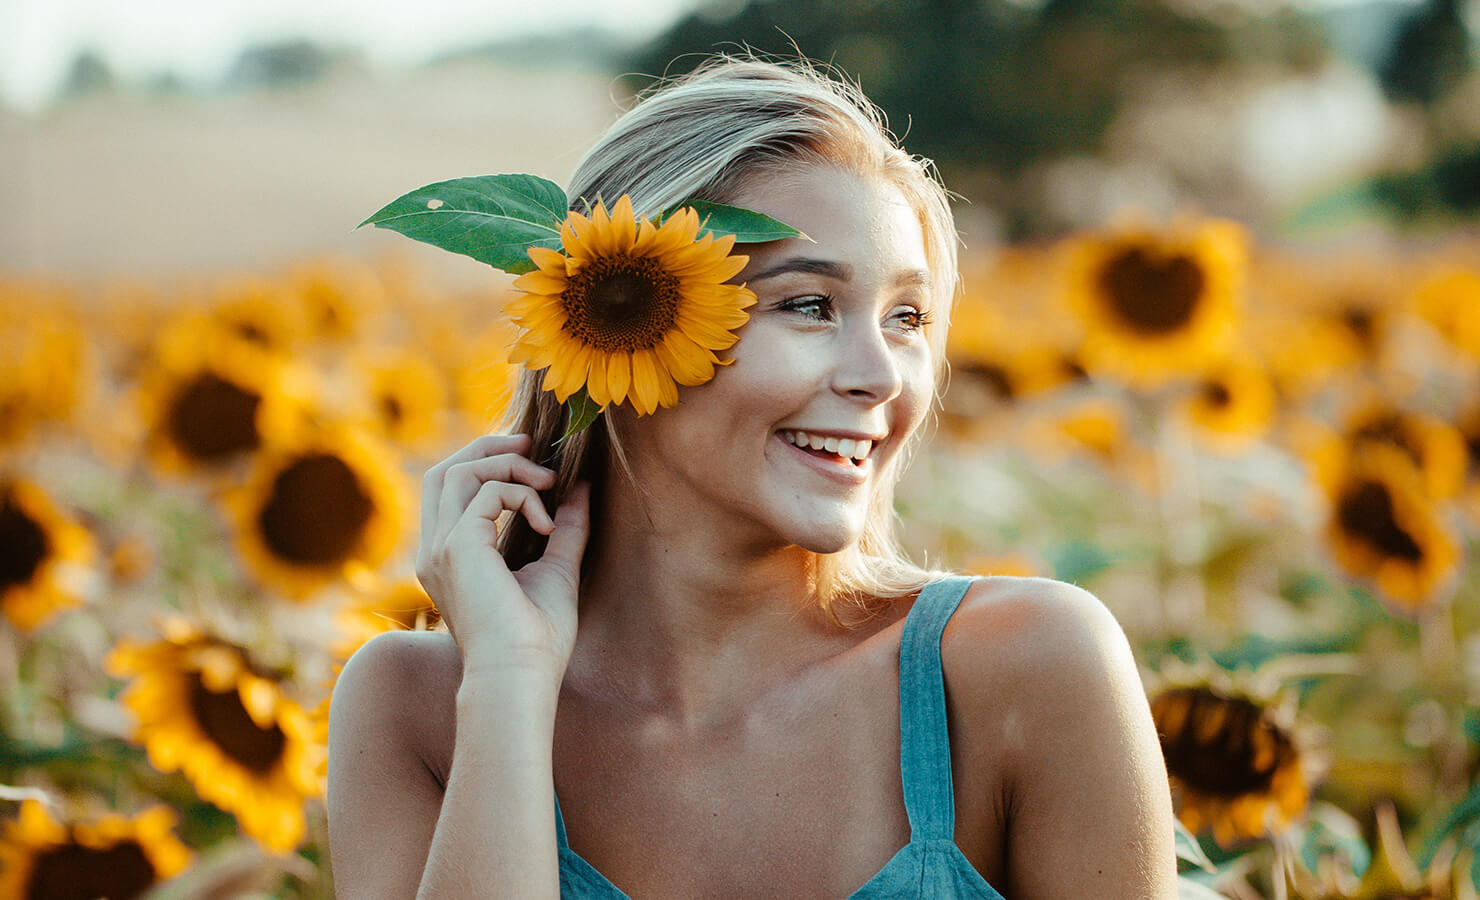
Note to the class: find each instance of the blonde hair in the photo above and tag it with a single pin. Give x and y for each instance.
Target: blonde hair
(702, 137)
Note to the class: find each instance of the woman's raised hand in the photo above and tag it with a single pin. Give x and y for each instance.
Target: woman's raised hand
(498, 617)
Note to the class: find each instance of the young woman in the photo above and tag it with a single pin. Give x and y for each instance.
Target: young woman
(712, 652)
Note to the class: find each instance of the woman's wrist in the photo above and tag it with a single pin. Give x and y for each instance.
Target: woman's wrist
(520, 677)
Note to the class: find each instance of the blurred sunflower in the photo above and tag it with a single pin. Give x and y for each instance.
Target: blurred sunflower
(996, 360)
(1448, 299)
(630, 310)
(335, 297)
(1328, 321)
(318, 509)
(207, 398)
(1235, 761)
(1435, 447)
(41, 359)
(261, 311)
(205, 711)
(1155, 304)
(115, 858)
(406, 396)
(1383, 525)
(44, 556)
(1232, 405)
(403, 605)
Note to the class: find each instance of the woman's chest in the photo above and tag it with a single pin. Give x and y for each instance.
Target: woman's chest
(798, 798)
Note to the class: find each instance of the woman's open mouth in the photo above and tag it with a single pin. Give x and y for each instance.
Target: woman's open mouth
(840, 451)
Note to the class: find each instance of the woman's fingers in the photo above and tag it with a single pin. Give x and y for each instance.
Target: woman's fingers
(572, 525)
(486, 446)
(464, 480)
(493, 498)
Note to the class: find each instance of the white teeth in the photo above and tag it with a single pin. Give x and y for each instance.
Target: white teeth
(844, 447)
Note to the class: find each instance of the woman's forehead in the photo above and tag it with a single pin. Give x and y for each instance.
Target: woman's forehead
(851, 224)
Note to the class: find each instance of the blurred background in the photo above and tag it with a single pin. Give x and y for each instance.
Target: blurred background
(1217, 360)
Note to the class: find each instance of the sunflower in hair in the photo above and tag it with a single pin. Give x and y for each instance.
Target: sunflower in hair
(319, 509)
(206, 710)
(630, 310)
(44, 556)
(112, 857)
(1238, 763)
(1154, 304)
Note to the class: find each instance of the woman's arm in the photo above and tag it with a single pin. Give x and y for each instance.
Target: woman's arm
(395, 829)
(1088, 808)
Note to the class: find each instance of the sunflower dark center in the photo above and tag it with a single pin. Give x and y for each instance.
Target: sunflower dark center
(252, 333)
(1152, 294)
(24, 545)
(1223, 746)
(315, 512)
(1365, 511)
(74, 872)
(1472, 444)
(212, 418)
(1361, 323)
(621, 303)
(1216, 394)
(1389, 429)
(226, 722)
(996, 378)
(391, 409)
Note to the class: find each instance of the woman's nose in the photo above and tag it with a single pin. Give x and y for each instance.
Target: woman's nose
(866, 368)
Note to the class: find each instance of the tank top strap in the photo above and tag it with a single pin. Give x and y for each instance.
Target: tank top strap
(924, 739)
(561, 841)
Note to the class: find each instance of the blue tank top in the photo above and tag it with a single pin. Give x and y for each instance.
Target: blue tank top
(930, 865)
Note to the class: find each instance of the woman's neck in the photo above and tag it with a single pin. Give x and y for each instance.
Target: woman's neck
(681, 617)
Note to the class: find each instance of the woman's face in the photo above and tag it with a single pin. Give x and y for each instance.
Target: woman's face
(834, 354)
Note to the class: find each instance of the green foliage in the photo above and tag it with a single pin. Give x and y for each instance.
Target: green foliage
(494, 219)
(580, 411)
(748, 226)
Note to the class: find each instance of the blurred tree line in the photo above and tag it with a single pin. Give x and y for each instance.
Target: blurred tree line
(987, 88)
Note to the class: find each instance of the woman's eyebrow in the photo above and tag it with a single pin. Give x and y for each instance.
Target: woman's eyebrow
(811, 265)
(808, 265)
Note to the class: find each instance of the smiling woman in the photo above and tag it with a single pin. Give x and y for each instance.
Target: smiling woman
(715, 646)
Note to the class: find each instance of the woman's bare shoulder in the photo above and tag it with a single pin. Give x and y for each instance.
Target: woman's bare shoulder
(1039, 645)
(403, 684)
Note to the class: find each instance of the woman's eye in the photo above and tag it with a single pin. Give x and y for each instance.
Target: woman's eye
(818, 307)
(909, 318)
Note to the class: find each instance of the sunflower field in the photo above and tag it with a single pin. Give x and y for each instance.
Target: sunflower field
(1266, 461)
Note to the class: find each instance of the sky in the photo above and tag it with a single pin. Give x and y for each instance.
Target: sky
(199, 39)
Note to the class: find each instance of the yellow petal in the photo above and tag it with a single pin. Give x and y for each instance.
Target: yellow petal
(619, 376)
(645, 388)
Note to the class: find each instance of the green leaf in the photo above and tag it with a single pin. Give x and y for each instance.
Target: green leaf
(495, 219)
(748, 226)
(1189, 850)
(1464, 813)
(1331, 831)
(582, 411)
